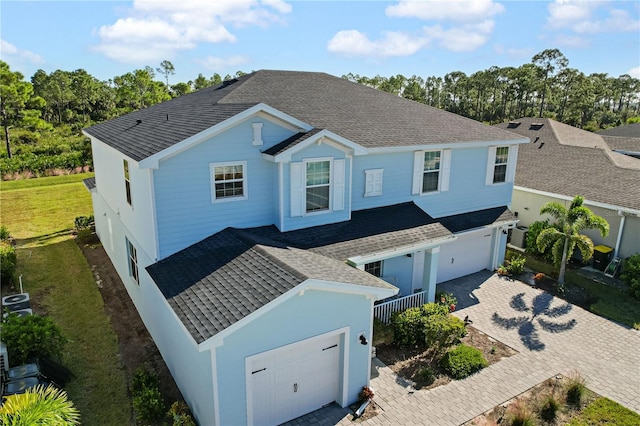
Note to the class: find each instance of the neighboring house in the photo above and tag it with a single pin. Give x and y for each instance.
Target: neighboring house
(562, 161)
(623, 139)
(256, 223)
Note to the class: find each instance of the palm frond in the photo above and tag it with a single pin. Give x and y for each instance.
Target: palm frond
(554, 209)
(585, 245)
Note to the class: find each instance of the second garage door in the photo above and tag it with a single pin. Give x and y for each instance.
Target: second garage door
(469, 253)
(289, 382)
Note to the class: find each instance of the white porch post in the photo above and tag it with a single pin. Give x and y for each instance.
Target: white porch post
(430, 274)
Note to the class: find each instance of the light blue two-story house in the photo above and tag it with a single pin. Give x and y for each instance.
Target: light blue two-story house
(255, 225)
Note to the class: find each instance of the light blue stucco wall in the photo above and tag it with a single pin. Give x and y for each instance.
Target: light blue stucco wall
(185, 212)
(298, 318)
(401, 268)
(467, 190)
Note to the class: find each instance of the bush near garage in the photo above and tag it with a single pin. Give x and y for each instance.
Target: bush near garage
(463, 361)
(630, 274)
(430, 324)
(30, 337)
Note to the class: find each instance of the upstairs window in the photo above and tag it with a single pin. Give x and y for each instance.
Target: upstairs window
(318, 186)
(374, 268)
(501, 164)
(133, 261)
(229, 181)
(127, 182)
(500, 167)
(431, 170)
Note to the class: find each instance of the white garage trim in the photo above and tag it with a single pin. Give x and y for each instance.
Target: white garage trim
(343, 366)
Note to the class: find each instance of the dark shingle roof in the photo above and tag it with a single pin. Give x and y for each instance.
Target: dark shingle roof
(89, 183)
(366, 116)
(562, 159)
(619, 143)
(290, 142)
(631, 130)
(477, 219)
(222, 279)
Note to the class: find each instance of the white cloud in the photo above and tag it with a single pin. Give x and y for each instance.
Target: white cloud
(634, 72)
(514, 53)
(465, 38)
(571, 41)
(459, 11)
(355, 43)
(215, 63)
(11, 52)
(589, 17)
(155, 30)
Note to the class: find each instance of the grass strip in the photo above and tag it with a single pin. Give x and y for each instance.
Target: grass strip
(604, 411)
(12, 185)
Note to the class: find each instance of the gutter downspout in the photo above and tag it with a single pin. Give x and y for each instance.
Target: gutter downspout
(623, 218)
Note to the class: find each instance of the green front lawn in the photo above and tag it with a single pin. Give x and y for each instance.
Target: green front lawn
(603, 411)
(55, 273)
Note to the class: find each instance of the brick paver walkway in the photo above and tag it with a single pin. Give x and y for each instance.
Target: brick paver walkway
(552, 338)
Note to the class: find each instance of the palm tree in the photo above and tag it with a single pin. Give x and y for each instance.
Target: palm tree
(565, 236)
(39, 406)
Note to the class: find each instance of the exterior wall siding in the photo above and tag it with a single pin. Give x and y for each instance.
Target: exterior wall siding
(137, 217)
(400, 268)
(186, 213)
(296, 319)
(467, 190)
(528, 205)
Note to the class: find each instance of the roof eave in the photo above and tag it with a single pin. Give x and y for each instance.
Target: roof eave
(319, 138)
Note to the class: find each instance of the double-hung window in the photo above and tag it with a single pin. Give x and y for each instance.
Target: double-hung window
(501, 164)
(431, 171)
(228, 181)
(127, 181)
(133, 261)
(318, 185)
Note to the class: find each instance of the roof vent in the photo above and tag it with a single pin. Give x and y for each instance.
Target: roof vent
(513, 124)
(228, 82)
(138, 121)
(535, 126)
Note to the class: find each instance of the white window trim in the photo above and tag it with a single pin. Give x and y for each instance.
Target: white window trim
(305, 186)
(444, 172)
(130, 260)
(373, 173)
(128, 196)
(512, 156)
(245, 185)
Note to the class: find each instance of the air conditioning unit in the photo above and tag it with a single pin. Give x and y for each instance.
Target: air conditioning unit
(519, 236)
(21, 312)
(16, 302)
(4, 359)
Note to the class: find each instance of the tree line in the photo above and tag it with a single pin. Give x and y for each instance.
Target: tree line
(545, 87)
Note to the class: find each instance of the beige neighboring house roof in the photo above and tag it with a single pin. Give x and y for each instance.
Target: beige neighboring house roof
(565, 160)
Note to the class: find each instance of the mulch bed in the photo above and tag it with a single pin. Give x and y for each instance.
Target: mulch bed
(407, 361)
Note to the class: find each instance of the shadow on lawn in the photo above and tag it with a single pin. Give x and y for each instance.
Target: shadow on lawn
(538, 314)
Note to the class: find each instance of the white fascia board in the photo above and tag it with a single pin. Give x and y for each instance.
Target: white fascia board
(259, 109)
(299, 290)
(399, 251)
(440, 146)
(323, 136)
(634, 212)
(109, 147)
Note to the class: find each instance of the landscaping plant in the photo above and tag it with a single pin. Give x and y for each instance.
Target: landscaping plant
(516, 264)
(430, 324)
(39, 406)
(8, 262)
(463, 361)
(148, 403)
(549, 407)
(630, 274)
(575, 388)
(180, 414)
(519, 414)
(32, 336)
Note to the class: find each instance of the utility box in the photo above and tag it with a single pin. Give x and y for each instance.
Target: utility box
(519, 236)
(602, 256)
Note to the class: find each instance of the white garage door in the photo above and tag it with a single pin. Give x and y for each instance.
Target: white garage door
(470, 253)
(289, 382)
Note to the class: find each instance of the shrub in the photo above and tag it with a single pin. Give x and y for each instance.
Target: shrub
(84, 222)
(407, 327)
(31, 336)
(531, 245)
(442, 331)
(463, 361)
(180, 414)
(366, 394)
(149, 406)
(4, 233)
(630, 274)
(575, 388)
(519, 414)
(148, 403)
(549, 407)
(516, 264)
(427, 374)
(446, 299)
(382, 333)
(8, 262)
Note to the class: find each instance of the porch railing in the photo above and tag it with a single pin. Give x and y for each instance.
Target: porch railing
(384, 310)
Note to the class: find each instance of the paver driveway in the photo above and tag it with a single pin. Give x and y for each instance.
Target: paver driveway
(551, 336)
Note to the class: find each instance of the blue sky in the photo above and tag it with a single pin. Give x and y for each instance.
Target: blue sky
(425, 38)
